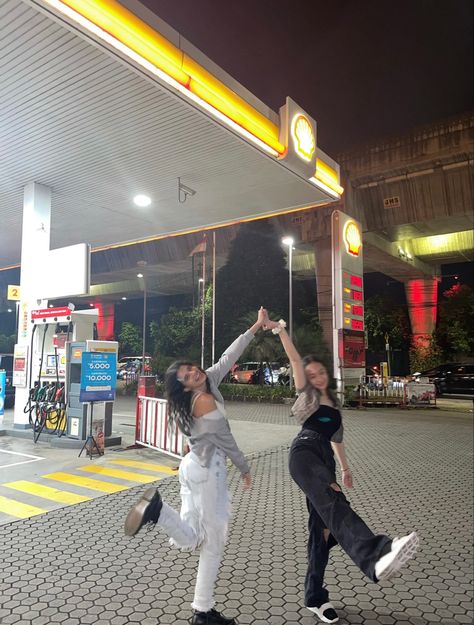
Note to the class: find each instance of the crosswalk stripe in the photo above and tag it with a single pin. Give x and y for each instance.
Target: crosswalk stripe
(85, 482)
(123, 475)
(46, 492)
(146, 466)
(18, 509)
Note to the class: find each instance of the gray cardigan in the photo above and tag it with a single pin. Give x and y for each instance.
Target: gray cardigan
(211, 433)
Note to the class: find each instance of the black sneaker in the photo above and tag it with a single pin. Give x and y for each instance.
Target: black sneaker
(213, 617)
(326, 613)
(146, 510)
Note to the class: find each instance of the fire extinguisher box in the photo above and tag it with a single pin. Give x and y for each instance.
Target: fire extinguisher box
(146, 386)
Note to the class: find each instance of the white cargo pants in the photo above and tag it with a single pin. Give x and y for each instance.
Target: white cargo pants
(203, 521)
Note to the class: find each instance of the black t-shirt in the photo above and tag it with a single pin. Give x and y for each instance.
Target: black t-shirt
(326, 421)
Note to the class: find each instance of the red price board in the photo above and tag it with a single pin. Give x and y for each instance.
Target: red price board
(357, 325)
(356, 281)
(358, 311)
(357, 295)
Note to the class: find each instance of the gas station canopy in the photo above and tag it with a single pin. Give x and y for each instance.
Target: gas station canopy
(102, 101)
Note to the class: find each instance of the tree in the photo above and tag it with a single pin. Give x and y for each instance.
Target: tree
(265, 347)
(308, 336)
(130, 338)
(425, 356)
(455, 328)
(178, 335)
(383, 316)
(255, 274)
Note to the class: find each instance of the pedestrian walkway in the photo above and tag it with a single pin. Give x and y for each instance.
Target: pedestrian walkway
(22, 499)
(411, 469)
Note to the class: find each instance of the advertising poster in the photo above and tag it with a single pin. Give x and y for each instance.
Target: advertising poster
(20, 359)
(419, 394)
(353, 349)
(98, 431)
(98, 377)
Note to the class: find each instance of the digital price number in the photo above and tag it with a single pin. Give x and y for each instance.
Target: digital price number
(353, 301)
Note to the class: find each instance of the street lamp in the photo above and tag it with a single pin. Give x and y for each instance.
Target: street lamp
(142, 263)
(289, 242)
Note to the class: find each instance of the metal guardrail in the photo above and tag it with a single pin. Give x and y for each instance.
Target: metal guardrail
(373, 389)
(395, 391)
(152, 428)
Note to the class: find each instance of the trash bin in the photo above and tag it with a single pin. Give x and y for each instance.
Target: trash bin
(146, 386)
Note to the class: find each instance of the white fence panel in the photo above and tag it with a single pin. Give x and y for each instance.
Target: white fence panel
(152, 428)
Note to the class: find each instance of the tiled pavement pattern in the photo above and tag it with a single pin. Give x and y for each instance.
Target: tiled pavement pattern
(412, 470)
(276, 414)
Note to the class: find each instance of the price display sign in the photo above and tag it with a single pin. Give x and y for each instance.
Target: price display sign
(348, 295)
(98, 376)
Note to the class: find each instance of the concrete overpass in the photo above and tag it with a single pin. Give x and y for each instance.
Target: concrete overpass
(414, 196)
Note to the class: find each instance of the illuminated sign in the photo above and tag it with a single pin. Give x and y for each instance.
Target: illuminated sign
(303, 137)
(352, 238)
(348, 289)
(298, 135)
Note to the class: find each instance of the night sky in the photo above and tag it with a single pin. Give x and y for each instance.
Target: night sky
(363, 69)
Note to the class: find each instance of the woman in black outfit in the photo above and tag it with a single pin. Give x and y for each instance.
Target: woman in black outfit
(312, 466)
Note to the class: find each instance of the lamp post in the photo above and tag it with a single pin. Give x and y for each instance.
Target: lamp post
(289, 242)
(142, 263)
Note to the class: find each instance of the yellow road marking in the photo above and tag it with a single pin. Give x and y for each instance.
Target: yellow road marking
(123, 475)
(146, 466)
(18, 509)
(46, 492)
(85, 482)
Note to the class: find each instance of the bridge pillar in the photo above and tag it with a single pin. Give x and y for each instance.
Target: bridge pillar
(422, 299)
(105, 322)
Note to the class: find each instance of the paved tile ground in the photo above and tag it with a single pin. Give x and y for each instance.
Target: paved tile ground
(412, 470)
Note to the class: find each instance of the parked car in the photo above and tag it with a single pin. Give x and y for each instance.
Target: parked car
(6, 362)
(248, 373)
(130, 362)
(454, 377)
(243, 372)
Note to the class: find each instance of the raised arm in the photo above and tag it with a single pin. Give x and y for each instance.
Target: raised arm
(218, 371)
(291, 351)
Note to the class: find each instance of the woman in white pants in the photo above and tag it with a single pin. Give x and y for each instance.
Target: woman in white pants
(197, 407)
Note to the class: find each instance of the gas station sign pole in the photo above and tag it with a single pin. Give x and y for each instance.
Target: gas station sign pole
(348, 300)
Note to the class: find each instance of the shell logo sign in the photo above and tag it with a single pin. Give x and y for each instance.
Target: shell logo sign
(303, 137)
(352, 238)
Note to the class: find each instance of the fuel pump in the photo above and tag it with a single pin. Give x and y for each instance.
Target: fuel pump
(54, 372)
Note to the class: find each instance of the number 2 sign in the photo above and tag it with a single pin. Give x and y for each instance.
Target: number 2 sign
(13, 293)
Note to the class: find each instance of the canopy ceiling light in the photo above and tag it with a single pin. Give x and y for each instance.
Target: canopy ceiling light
(142, 200)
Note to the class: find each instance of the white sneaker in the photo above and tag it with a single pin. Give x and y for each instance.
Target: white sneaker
(403, 549)
(326, 613)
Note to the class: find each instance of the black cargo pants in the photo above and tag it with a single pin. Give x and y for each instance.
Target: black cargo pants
(313, 468)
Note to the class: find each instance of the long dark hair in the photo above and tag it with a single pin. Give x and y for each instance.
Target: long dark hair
(179, 400)
(330, 390)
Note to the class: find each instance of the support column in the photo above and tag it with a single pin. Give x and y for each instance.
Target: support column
(35, 245)
(105, 322)
(422, 299)
(323, 256)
